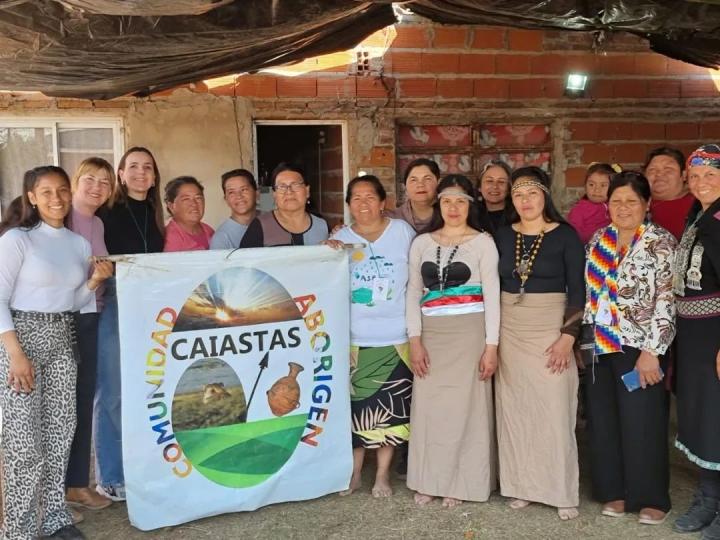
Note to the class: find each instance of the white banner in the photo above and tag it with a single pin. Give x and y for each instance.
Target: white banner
(235, 380)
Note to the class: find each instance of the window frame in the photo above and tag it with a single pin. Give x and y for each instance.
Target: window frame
(54, 123)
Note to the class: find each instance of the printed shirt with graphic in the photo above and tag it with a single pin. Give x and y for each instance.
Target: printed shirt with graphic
(378, 281)
(476, 290)
(646, 303)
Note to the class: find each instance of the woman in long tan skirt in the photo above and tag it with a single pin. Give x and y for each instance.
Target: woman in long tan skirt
(543, 293)
(453, 313)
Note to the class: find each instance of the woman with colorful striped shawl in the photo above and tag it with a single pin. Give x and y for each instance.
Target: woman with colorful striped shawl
(631, 306)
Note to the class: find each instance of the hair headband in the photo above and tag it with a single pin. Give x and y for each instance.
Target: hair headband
(708, 154)
(454, 192)
(527, 182)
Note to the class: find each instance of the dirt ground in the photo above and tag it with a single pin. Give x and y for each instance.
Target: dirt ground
(359, 516)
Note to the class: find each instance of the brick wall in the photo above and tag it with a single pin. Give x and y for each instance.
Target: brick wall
(425, 73)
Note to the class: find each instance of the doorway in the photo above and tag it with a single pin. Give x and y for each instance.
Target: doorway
(319, 148)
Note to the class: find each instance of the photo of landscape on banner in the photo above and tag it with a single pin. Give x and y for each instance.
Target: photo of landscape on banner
(234, 380)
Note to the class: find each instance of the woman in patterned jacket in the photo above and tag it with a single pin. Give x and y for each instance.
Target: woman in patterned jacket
(631, 306)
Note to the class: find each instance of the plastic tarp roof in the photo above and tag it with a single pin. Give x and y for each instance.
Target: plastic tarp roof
(101, 49)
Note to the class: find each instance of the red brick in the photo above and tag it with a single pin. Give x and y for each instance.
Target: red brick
(476, 63)
(74, 103)
(525, 40)
(583, 63)
(664, 88)
(710, 131)
(410, 37)
(630, 88)
(526, 88)
(375, 87)
(615, 64)
(597, 152)
(381, 157)
(650, 64)
(682, 130)
(455, 88)
(648, 132)
(224, 89)
(600, 88)
(417, 87)
(297, 87)
(112, 104)
(406, 62)
(450, 37)
(690, 88)
(491, 88)
(609, 131)
(439, 63)
(584, 131)
(488, 38)
(36, 104)
(548, 64)
(512, 63)
(677, 67)
(256, 86)
(575, 176)
(339, 88)
(630, 153)
(553, 88)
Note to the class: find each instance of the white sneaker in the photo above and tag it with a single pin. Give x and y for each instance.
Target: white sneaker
(114, 493)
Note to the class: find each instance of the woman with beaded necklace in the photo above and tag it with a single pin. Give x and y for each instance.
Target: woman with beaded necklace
(543, 294)
(453, 318)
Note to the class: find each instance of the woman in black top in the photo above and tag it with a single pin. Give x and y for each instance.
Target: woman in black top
(133, 224)
(543, 294)
(494, 190)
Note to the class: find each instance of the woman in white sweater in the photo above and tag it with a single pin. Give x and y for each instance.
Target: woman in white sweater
(43, 279)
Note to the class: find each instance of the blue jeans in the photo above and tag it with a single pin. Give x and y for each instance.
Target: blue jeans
(107, 422)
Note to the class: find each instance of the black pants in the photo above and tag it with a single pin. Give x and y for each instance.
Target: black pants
(78, 471)
(628, 435)
(710, 483)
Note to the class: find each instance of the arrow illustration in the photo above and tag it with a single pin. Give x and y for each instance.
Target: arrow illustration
(263, 365)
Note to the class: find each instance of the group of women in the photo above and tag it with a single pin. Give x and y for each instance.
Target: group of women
(466, 306)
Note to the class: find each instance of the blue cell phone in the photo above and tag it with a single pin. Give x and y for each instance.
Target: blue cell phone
(632, 379)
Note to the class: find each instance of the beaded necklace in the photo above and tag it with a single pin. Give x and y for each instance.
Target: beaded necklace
(443, 270)
(524, 262)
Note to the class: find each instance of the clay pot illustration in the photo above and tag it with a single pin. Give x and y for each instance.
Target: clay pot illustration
(284, 395)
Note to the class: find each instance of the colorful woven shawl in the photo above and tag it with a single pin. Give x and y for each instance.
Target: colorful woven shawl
(602, 268)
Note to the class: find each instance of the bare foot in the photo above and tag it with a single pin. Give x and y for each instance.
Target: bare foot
(355, 483)
(449, 502)
(651, 516)
(422, 499)
(381, 488)
(566, 514)
(517, 504)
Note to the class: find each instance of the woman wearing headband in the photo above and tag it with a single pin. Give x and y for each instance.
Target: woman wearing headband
(697, 286)
(631, 308)
(543, 293)
(453, 318)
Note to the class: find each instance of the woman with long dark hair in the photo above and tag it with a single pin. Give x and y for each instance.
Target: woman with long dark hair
(133, 224)
(494, 188)
(453, 318)
(43, 278)
(543, 295)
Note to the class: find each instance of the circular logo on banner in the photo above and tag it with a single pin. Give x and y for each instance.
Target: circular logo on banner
(237, 411)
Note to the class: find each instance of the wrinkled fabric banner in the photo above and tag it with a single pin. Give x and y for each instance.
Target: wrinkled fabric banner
(235, 380)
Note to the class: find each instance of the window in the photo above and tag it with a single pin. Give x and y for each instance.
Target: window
(29, 143)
